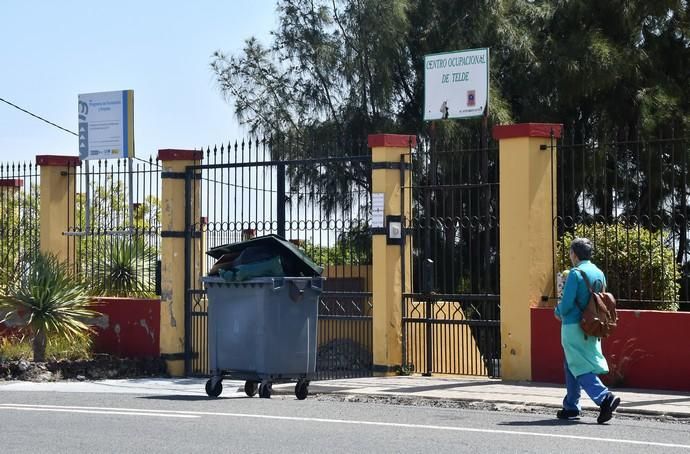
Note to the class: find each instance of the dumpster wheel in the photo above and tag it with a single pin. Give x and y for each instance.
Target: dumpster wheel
(265, 389)
(251, 388)
(214, 390)
(302, 389)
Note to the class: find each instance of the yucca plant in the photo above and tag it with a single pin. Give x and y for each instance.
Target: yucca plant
(50, 300)
(124, 267)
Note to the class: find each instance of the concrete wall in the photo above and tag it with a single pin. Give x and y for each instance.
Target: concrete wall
(649, 349)
(527, 203)
(129, 327)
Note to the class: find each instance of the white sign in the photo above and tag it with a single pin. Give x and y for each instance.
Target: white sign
(456, 84)
(377, 210)
(106, 125)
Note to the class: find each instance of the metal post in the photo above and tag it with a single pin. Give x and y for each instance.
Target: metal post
(189, 173)
(484, 204)
(280, 200)
(403, 245)
(428, 268)
(131, 193)
(87, 226)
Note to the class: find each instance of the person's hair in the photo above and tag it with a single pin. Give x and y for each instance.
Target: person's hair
(582, 248)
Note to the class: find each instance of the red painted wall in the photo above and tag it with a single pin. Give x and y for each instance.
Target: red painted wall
(9, 328)
(649, 349)
(8, 332)
(129, 328)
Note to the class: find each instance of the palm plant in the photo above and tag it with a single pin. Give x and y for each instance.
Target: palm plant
(50, 300)
(124, 267)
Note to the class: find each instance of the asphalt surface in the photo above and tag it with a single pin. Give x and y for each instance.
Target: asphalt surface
(47, 422)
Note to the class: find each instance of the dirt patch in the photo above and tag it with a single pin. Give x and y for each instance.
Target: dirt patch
(99, 368)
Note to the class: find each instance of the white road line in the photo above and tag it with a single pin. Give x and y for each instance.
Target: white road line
(346, 421)
(74, 407)
(97, 412)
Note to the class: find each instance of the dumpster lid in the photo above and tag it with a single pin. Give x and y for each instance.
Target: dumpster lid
(296, 259)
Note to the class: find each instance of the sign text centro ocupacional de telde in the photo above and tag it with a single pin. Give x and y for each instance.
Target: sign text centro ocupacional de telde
(456, 84)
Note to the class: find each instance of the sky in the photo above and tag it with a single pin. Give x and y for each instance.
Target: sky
(51, 51)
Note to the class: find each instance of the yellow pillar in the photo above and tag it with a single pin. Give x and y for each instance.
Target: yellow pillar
(528, 202)
(58, 191)
(172, 336)
(386, 152)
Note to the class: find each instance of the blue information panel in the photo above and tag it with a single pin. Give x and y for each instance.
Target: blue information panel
(106, 125)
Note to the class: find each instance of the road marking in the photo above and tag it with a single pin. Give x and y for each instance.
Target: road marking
(97, 412)
(145, 412)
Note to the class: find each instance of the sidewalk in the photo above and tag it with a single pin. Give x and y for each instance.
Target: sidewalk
(636, 402)
(633, 401)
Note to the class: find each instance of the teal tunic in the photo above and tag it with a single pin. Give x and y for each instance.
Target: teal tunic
(582, 353)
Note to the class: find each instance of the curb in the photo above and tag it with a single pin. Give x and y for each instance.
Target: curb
(287, 390)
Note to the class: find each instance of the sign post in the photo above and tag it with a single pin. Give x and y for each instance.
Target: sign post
(456, 85)
(106, 131)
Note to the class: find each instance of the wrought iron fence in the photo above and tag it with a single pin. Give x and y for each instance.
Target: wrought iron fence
(629, 195)
(114, 226)
(19, 219)
(451, 315)
(316, 195)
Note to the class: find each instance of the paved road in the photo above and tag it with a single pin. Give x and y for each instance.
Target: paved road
(38, 421)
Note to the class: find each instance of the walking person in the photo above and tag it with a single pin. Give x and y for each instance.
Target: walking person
(584, 360)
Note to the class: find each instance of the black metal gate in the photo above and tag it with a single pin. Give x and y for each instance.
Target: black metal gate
(451, 315)
(318, 198)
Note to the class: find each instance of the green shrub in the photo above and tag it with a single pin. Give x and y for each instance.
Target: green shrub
(124, 267)
(639, 267)
(51, 301)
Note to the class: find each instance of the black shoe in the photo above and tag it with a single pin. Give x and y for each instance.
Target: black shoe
(567, 414)
(608, 406)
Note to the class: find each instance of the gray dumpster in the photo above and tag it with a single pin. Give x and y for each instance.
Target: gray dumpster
(262, 329)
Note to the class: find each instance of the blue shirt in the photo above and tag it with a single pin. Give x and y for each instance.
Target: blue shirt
(575, 292)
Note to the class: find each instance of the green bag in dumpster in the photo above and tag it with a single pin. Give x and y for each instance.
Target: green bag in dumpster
(294, 261)
(263, 268)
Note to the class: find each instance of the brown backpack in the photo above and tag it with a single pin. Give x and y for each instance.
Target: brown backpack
(599, 317)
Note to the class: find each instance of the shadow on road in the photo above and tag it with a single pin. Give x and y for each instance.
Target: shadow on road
(551, 422)
(183, 398)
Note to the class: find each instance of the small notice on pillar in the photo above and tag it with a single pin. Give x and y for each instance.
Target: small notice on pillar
(377, 210)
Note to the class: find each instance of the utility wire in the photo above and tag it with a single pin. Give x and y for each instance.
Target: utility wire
(39, 117)
(58, 126)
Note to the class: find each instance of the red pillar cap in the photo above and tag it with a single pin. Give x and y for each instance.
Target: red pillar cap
(392, 140)
(170, 154)
(11, 183)
(56, 160)
(527, 130)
